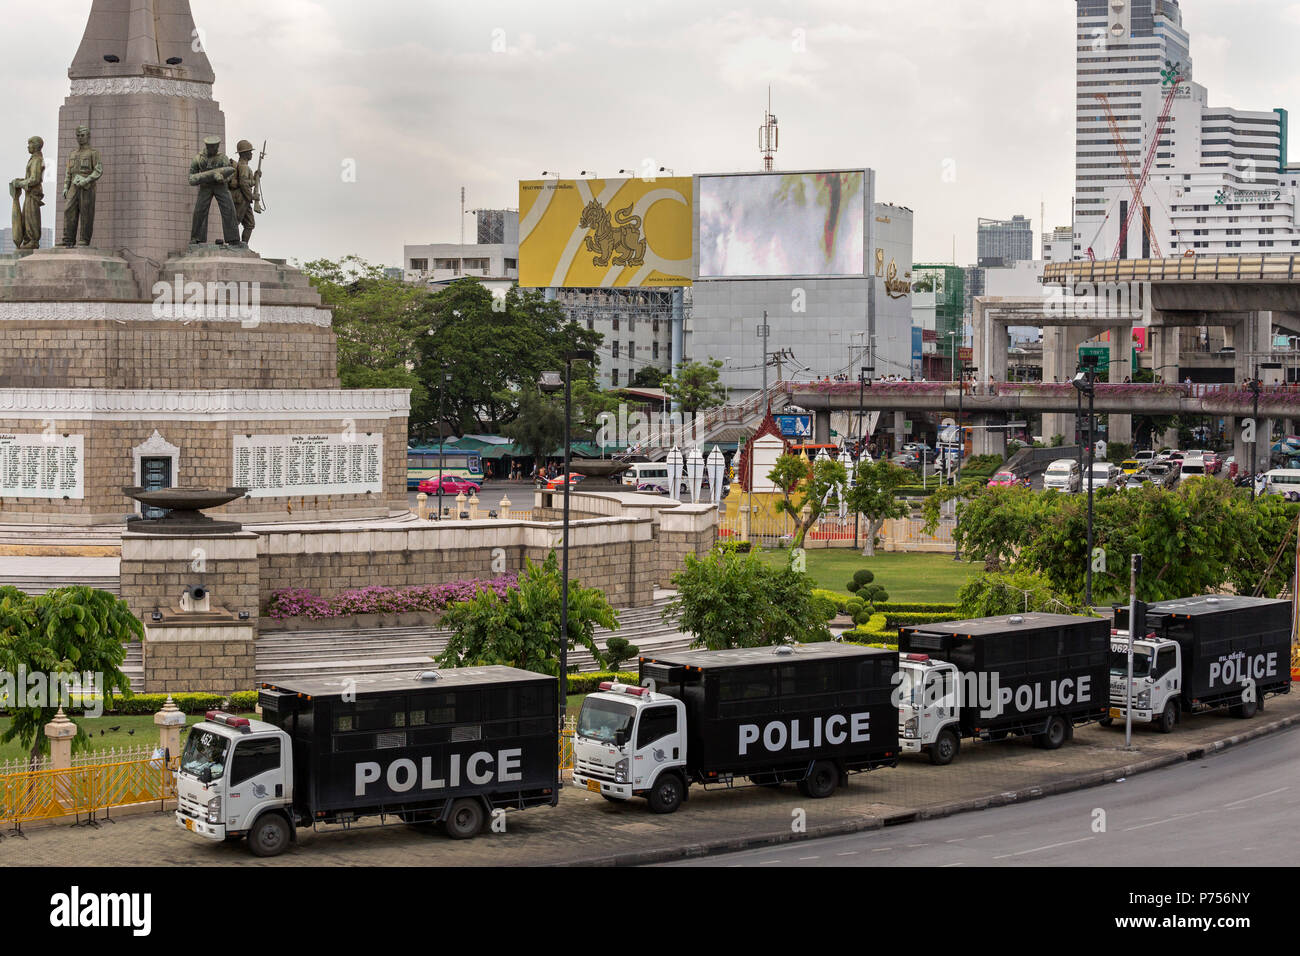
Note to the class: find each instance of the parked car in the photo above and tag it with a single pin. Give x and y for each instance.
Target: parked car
(917, 448)
(451, 485)
(1130, 466)
(1145, 457)
(559, 482)
(1136, 481)
(1165, 473)
(1192, 468)
(1004, 479)
(1062, 475)
(1213, 463)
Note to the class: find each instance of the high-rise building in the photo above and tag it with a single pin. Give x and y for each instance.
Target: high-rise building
(1217, 175)
(1002, 242)
(1122, 47)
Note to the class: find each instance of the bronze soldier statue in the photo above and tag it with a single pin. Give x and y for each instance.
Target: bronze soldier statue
(84, 170)
(211, 171)
(27, 219)
(243, 189)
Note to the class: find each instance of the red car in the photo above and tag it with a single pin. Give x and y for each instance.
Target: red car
(1004, 479)
(450, 486)
(558, 481)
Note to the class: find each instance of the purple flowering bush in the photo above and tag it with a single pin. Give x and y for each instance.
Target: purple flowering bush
(299, 602)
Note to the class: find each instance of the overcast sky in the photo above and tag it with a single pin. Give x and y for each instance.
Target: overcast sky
(425, 97)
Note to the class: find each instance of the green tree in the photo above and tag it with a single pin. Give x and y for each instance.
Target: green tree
(617, 650)
(522, 629)
(539, 426)
(730, 600)
(996, 595)
(874, 495)
(649, 376)
(696, 385)
(73, 630)
(793, 475)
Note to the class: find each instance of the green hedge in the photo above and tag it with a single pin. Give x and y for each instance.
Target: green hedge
(904, 607)
(590, 683)
(898, 619)
(141, 704)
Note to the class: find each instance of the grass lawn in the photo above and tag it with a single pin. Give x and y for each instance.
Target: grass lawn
(907, 577)
(145, 733)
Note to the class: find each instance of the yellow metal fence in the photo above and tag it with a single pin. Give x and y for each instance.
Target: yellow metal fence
(87, 789)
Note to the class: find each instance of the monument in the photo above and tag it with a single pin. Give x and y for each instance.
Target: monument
(29, 196)
(158, 351)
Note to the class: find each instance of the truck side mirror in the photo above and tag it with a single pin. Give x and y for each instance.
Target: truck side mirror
(620, 738)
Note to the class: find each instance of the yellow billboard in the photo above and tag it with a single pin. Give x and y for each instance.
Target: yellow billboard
(605, 233)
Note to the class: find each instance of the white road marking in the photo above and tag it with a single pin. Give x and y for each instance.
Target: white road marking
(958, 840)
(1260, 796)
(802, 858)
(883, 849)
(767, 862)
(1039, 849)
(947, 865)
(848, 853)
(1156, 823)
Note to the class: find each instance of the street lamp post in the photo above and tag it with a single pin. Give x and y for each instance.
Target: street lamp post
(961, 447)
(442, 428)
(1085, 381)
(1254, 453)
(549, 384)
(864, 379)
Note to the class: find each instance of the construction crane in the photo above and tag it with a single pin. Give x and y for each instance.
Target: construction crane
(1174, 79)
(1118, 135)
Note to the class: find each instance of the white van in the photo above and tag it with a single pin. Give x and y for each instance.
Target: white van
(1062, 475)
(1283, 481)
(648, 474)
(1192, 468)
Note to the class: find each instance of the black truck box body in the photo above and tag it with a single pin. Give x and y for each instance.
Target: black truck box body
(1225, 640)
(1027, 667)
(388, 742)
(754, 709)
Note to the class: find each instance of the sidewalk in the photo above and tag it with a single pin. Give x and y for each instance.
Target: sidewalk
(585, 829)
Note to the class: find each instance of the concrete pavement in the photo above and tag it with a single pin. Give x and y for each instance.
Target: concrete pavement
(587, 830)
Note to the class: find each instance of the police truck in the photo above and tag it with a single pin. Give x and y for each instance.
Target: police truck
(807, 713)
(451, 747)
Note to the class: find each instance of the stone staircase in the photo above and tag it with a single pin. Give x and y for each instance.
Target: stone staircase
(399, 650)
(41, 584)
(707, 425)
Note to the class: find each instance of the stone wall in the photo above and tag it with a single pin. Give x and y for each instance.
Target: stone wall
(212, 665)
(156, 569)
(204, 460)
(690, 529)
(166, 354)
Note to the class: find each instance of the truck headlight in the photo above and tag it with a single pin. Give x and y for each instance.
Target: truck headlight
(1143, 700)
(910, 727)
(620, 771)
(214, 810)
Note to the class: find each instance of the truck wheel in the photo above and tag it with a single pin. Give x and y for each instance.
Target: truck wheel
(944, 749)
(1168, 719)
(465, 819)
(1248, 709)
(667, 793)
(1054, 736)
(821, 781)
(1106, 721)
(269, 836)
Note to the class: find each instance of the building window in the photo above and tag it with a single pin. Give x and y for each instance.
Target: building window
(615, 324)
(654, 326)
(613, 377)
(420, 265)
(591, 325)
(654, 350)
(614, 345)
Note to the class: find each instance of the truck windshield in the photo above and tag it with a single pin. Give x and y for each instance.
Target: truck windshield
(603, 719)
(911, 684)
(1141, 663)
(205, 750)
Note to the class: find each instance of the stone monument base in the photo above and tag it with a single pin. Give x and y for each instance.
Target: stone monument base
(215, 266)
(204, 652)
(79, 274)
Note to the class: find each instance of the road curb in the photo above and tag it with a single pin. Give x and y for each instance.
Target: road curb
(1084, 781)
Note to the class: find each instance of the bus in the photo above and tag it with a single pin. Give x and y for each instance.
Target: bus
(422, 463)
(1283, 481)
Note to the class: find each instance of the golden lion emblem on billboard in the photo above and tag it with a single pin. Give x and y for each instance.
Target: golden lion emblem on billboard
(619, 240)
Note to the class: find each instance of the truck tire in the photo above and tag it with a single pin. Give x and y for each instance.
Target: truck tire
(1054, 736)
(269, 836)
(666, 795)
(1168, 718)
(821, 781)
(1106, 721)
(945, 748)
(1248, 709)
(465, 819)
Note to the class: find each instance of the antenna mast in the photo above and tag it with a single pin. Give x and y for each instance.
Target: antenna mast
(767, 135)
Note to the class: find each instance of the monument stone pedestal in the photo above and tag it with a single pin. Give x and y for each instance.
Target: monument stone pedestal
(62, 274)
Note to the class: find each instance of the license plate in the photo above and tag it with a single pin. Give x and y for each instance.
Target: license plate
(593, 786)
(1116, 713)
(189, 824)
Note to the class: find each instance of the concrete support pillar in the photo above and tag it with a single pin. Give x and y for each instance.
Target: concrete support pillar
(991, 342)
(900, 430)
(1265, 443)
(1243, 452)
(822, 427)
(986, 441)
(1120, 427)
(1164, 354)
(1060, 359)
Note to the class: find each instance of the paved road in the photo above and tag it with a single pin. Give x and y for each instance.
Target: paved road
(1235, 809)
(521, 496)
